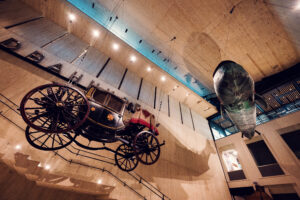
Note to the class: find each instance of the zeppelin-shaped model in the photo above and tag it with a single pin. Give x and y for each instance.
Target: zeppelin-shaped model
(234, 88)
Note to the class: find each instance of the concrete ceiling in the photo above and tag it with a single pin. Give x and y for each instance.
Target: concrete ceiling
(247, 31)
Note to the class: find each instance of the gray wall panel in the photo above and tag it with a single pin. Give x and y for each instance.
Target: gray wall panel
(39, 32)
(131, 84)
(186, 116)
(92, 62)
(112, 74)
(163, 98)
(201, 125)
(73, 45)
(147, 93)
(174, 109)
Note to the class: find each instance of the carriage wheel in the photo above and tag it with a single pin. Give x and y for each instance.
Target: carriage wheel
(146, 147)
(54, 108)
(125, 158)
(48, 141)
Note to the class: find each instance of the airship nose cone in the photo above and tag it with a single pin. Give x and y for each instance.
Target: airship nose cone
(225, 67)
(248, 134)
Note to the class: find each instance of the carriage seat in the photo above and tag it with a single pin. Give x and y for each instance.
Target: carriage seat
(145, 118)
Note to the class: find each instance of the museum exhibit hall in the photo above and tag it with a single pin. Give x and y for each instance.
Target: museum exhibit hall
(149, 99)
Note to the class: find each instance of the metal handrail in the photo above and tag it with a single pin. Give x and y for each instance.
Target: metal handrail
(134, 175)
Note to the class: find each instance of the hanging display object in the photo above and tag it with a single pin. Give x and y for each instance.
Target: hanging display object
(58, 115)
(235, 90)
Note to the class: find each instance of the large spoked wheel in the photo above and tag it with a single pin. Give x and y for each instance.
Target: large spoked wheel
(146, 147)
(54, 108)
(48, 141)
(125, 158)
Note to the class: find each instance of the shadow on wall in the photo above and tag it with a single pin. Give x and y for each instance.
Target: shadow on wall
(201, 51)
(176, 161)
(14, 186)
(32, 167)
(177, 166)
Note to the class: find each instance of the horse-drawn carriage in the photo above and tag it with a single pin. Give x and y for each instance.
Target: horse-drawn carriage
(58, 115)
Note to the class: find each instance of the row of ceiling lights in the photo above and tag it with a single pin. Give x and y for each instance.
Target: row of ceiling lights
(115, 46)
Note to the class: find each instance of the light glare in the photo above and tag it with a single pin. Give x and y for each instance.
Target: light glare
(132, 58)
(72, 17)
(297, 7)
(47, 167)
(18, 147)
(99, 181)
(115, 46)
(96, 33)
(149, 69)
(163, 78)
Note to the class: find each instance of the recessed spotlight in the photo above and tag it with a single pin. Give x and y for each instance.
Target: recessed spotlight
(99, 181)
(96, 33)
(132, 58)
(163, 78)
(18, 147)
(149, 69)
(72, 17)
(47, 167)
(115, 46)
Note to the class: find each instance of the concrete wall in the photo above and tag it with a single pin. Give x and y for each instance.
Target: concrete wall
(188, 168)
(284, 156)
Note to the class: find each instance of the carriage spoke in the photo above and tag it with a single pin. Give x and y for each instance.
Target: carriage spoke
(53, 139)
(46, 96)
(39, 137)
(61, 142)
(45, 122)
(54, 94)
(46, 140)
(150, 156)
(30, 108)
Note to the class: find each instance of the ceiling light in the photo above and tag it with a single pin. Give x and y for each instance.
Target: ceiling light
(132, 58)
(297, 7)
(115, 46)
(47, 167)
(163, 78)
(96, 33)
(18, 147)
(72, 17)
(99, 181)
(149, 69)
